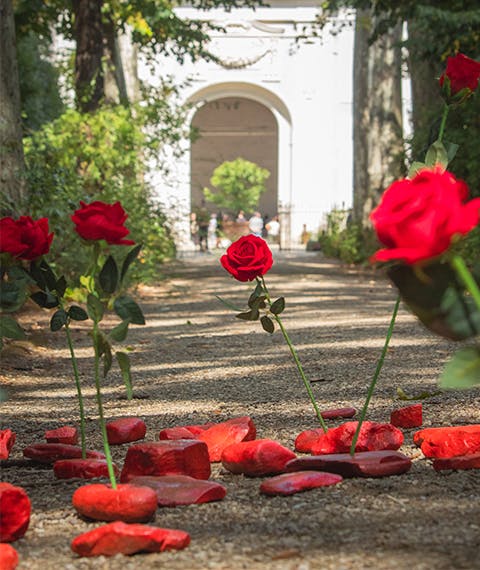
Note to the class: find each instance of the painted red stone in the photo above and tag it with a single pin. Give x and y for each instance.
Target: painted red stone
(51, 452)
(291, 483)
(373, 437)
(168, 457)
(407, 417)
(120, 538)
(125, 430)
(463, 462)
(256, 458)
(175, 490)
(184, 432)
(126, 503)
(446, 442)
(338, 413)
(363, 464)
(305, 440)
(7, 439)
(15, 509)
(221, 435)
(82, 468)
(8, 557)
(65, 434)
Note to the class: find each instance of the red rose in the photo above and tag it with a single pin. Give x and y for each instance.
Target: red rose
(462, 73)
(25, 238)
(417, 219)
(102, 221)
(247, 258)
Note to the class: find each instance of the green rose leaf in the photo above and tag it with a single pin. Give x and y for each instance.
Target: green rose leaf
(43, 275)
(88, 282)
(9, 328)
(61, 286)
(415, 168)
(451, 148)
(129, 259)
(249, 316)
(257, 303)
(95, 308)
(59, 318)
(108, 276)
(267, 324)
(119, 333)
(44, 299)
(127, 309)
(76, 313)
(463, 370)
(436, 154)
(278, 306)
(124, 363)
(461, 312)
(12, 295)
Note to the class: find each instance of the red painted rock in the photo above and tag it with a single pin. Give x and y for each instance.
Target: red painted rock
(7, 439)
(305, 440)
(15, 511)
(221, 435)
(51, 452)
(183, 432)
(82, 468)
(291, 483)
(363, 464)
(126, 503)
(125, 430)
(407, 417)
(177, 457)
(445, 442)
(256, 458)
(338, 413)
(65, 434)
(120, 538)
(175, 490)
(463, 462)
(8, 557)
(373, 437)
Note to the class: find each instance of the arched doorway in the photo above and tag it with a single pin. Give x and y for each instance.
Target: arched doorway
(232, 127)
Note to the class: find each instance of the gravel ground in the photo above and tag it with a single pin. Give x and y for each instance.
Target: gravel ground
(194, 362)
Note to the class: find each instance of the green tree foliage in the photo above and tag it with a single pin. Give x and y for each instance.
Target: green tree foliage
(238, 185)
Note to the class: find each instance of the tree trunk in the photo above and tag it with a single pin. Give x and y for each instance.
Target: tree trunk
(378, 131)
(12, 167)
(89, 83)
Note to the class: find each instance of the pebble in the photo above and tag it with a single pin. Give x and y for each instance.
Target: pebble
(221, 435)
(7, 439)
(82, 468)
(64, 434)
(256, 458)
(51, 452)
(15, 510)
(8, 557)
(408, 416)
(291, 483)
(125, 430)
(446, 442)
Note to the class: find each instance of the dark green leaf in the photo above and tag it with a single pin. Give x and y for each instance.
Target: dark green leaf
(9, 328)
(43, 275)
(278, 306)
(95, 308)
(61, 286)
(127, 309)
(452, 149)
(119, 333)
(436, 154)
(107, 360)
(420, 396)
(45, 300)
(463, 370)
(59, 318)
(124, 363)
(131, 256)
(108, 276)
(249, 316)
(461, 313)
(76, 313)
(12, 295)
(19, 274)
(267, 324)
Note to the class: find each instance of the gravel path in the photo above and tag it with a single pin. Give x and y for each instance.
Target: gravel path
(194, 362)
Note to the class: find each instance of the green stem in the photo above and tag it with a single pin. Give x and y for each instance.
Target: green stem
(375, 376)
(103, 428)
(294, 354)
(446, 109)
(463, 272)
(79, 390)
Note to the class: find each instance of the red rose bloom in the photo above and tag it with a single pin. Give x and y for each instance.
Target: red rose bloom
(247, 258)
(99, 220)
(25, 238)
(417, 219)
(462, 72)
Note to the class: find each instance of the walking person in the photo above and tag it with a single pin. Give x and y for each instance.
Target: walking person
(255, 224)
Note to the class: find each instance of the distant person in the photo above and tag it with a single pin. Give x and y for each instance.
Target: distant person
(194, 229)
(203, 221)
(255, 224)
(264, 229)
(212, 231)
(273, 230)
(241, 217)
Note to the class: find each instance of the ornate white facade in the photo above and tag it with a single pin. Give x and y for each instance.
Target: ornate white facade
(307, 86)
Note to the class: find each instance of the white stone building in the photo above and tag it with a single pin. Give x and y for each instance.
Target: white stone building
(286, 106)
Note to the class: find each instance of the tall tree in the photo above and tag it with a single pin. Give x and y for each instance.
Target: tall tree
(12, 183)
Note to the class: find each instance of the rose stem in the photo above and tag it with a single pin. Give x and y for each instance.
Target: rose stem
(378, 369)
(103, 428)
(446, 109)
(297, 361)
(79, 390)
(463, 272)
